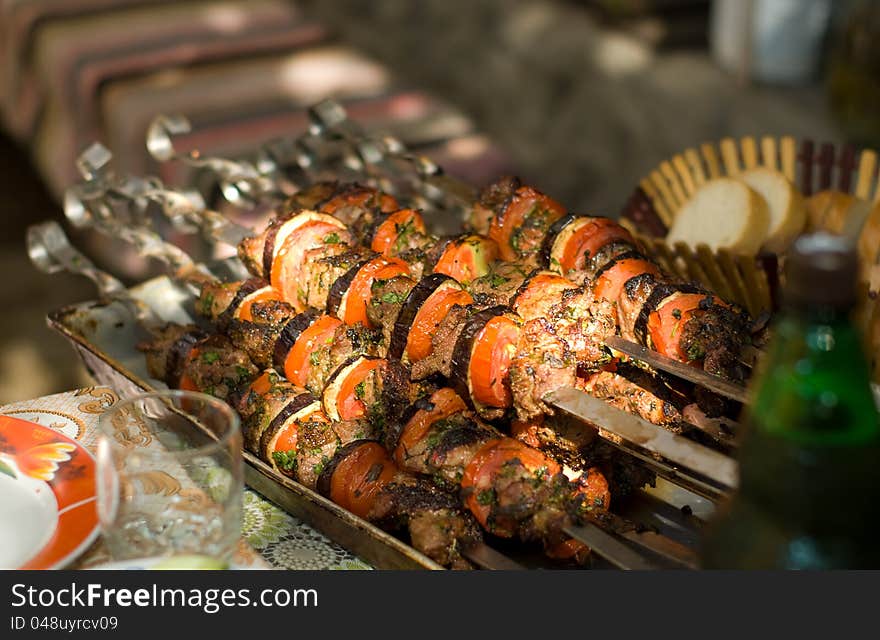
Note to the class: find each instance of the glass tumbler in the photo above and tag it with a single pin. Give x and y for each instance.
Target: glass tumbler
(170, 477)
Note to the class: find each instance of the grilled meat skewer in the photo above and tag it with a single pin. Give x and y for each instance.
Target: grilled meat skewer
(534, 231)
(527, 506)
(284, 425)
(309, 347)
(379, 291)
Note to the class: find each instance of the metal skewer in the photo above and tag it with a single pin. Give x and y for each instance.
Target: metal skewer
(486, 557)
(50, 250)
(609, 547)
(717, 384)
(714, 474)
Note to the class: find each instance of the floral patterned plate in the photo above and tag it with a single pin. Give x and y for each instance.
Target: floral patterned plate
(47, 497)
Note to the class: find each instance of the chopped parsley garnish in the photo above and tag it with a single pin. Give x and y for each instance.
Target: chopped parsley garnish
(403, 233)
(207, 303)
(285, 460)
(486, 497)
(318, 468)
(496, 280)
(392, 298)
(331, 238)
(360, 390)
(695, 352)
(210, 357)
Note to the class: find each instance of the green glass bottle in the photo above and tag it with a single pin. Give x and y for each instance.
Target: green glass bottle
(809, 494)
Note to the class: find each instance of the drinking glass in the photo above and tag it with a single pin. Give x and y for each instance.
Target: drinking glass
(170, 477)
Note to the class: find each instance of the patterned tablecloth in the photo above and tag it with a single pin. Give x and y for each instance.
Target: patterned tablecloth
(271, 538)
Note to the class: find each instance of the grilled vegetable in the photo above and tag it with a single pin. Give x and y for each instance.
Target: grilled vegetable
(357, 474)
(538, 293)
(466, 258)
(281, 404)
(497, 458)
(481, 359)
(224, 302)
(349, 303)
(611, 279)
(577, 240)
(346, 390)
(442, 404)
(421, 313)
(393, 232)
(519, 227)
(300, 339)
(286, 256)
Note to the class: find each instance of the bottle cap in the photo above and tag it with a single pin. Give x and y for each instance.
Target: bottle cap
(822, 269)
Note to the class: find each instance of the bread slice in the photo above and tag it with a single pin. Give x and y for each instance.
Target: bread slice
(725, 214)
(869, 238)
(828, 210)
(788, 217)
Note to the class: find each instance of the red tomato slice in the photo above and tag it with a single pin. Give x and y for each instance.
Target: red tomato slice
(359, 293)
(360, 476)
(584, 244)
(446, 403)
(524, 200)
(666, 323)
(186, 383)
(610, 283)
(467, 258)
(288, 260)
(387, 233)
(348, 404)
(594, 487)
(297, 365)
(429, 317)
(263, 384)
(287, 438)
(479, 477)
(490, 362)
(260, 295)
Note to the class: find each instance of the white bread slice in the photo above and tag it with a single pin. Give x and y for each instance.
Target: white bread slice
(828, 210)
(725, 214)
(784, 204)
(869, 238)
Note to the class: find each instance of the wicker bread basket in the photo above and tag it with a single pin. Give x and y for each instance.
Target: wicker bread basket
(749, 280)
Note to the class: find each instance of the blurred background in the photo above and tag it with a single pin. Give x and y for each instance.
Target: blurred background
(580, 97)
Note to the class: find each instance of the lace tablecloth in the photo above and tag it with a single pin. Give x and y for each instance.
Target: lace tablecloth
(271, 538)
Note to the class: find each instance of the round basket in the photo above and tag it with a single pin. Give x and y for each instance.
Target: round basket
(749, 280)
(752, 281)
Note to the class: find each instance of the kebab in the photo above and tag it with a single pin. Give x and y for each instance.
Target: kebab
(511, 489)
(284, 426)
(310, 349)
(367, 388)
(618, 389)
(524, 226)
(350, 276)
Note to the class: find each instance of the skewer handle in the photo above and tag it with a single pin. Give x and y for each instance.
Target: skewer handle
(50, 251)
